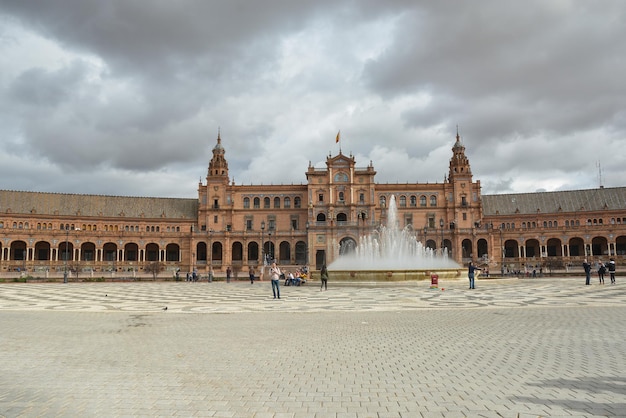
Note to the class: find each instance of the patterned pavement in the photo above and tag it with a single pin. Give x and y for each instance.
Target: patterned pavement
(243, 297)
(510, 348)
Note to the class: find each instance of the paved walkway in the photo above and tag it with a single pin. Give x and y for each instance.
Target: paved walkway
(527, 348)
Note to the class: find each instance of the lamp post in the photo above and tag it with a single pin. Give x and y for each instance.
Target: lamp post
(269, 246)
(425, 237)
(210, 249)
(263, 242)
(501, 253)
(306, 248)
(67, 237)
(441, 225)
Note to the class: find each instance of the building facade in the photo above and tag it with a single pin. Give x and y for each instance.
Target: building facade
(238, 226)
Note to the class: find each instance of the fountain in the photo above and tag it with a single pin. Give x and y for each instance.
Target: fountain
(391, 254)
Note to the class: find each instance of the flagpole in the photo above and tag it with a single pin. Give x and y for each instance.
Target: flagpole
(338, 140)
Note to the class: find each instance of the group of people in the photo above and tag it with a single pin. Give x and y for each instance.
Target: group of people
(276, 274)
(602, 270)
(295, 279)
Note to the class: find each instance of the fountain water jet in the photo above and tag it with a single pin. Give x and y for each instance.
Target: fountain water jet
(390, 254)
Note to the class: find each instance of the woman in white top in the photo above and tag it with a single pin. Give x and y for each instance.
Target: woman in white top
(275, 276)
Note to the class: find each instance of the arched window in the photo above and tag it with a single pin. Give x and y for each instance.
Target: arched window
(297, 202)
(383, 201)
(413, 201)
(321, 217)
(422, 200)
(257, 203)
(246, 203)
(266, 203)
(402, 201)
(433, 200)
(341, 196)
(277, 203)
(287, 203)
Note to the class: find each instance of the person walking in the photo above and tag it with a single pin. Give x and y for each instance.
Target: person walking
(251, 274)
(601, 271)
(587, 268)
(471, 272)
(275, 277)
(612, 270)
(324, 277)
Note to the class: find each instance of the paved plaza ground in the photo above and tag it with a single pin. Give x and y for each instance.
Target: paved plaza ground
(510, 348)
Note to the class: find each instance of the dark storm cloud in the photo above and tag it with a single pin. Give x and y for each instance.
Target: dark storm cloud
(116, 90)
(556, 62)
(42, 89)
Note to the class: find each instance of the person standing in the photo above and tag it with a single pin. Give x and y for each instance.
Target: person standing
(275, 277)
(251, 274)
(601, 271)
(324, 277)
(612, 270)
(587, 268)
(471, 272)
(228, 273)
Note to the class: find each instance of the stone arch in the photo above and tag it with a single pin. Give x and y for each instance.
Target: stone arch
(253, 251)
(467, 249)
(554, 248)
(511, 249)
(237, 251)
(172, 252)
(482, 247)
(347, 246)
(533, 248)
(88, 251)
(576, 247)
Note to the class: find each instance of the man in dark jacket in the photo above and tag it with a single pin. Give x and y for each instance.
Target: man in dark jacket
(587, 268)
(612, 270)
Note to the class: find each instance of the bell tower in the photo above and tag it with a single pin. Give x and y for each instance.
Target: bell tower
(214, 196)
(464, 193)
(459, 164)
(218, 167)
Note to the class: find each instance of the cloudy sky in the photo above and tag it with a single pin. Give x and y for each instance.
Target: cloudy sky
(126, 97)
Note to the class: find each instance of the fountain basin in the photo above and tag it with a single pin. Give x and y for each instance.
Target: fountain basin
(398, 275)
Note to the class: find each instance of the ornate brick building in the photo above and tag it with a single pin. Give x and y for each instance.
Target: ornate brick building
(238, 226)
